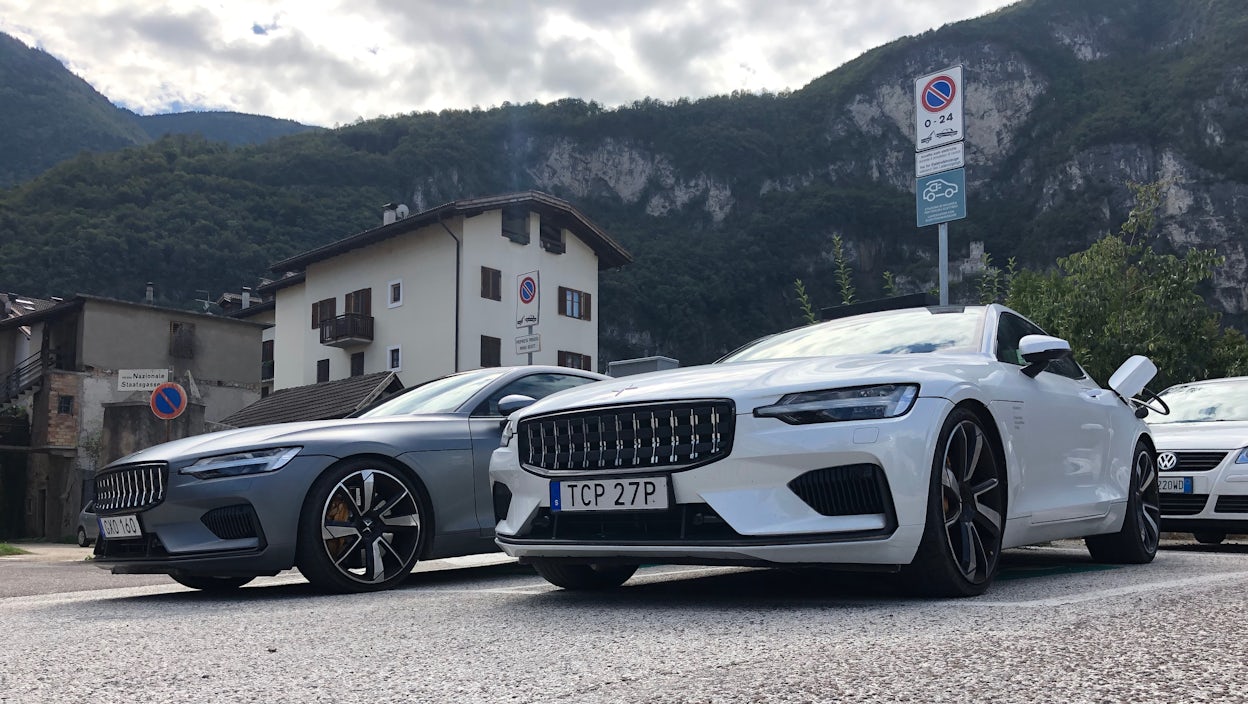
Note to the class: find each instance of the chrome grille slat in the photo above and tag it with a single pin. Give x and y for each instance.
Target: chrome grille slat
(131, 488)
(1196, 460)
(662, 435)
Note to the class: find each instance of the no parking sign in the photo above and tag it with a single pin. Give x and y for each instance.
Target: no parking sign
(528, 294)
(168, 400)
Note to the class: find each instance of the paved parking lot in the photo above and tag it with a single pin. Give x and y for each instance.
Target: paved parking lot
(1055, 627)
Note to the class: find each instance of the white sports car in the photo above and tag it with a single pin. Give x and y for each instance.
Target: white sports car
(1202, 455)
(922, 440)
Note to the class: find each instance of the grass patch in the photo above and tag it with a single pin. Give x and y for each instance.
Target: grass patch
(6, 550)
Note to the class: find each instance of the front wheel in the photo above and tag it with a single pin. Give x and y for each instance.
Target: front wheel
(83, 540)
(581, 576)
(362, 528)
(1136, 543)
(961, 546)
(210, 584)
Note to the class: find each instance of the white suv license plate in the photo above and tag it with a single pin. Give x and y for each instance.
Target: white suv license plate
(637, 494)
(120, 526)
(1174, 485)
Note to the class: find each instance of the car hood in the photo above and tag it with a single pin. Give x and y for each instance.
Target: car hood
(310, 434)
(758, 383)
(1207, 435)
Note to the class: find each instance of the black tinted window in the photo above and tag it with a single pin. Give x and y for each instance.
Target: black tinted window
(534, 386)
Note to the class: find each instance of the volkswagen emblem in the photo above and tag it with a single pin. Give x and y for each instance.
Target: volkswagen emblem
(1167, 461)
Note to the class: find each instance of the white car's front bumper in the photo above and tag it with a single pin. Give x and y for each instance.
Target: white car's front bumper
(1216, 500)
(761, 519)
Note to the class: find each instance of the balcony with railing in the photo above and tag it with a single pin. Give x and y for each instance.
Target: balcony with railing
(26, 376)
(347, 330)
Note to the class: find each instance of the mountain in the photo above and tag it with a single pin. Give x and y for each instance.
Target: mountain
(47, 115)
(724, 200)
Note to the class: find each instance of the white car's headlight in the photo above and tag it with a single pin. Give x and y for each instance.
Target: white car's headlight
(509, 432)
(1242, 457)
(860, 403)
(239, 463)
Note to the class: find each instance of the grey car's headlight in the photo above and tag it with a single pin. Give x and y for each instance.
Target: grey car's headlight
(509, 432)
(239, 463)
(860, 403)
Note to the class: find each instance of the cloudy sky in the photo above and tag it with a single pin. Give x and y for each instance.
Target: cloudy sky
(328, 62)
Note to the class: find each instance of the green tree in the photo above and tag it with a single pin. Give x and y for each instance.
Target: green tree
(1120, 297)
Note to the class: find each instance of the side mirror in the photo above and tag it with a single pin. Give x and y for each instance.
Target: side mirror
(513, 402)
(1039, 350)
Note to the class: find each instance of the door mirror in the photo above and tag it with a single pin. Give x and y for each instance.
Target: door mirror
(513, 402)
(1039, 350)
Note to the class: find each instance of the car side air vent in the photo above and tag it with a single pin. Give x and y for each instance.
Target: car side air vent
(848, 490)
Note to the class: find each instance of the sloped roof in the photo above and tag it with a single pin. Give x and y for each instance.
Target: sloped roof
(610, 253)
(324, 401)
(20, 305)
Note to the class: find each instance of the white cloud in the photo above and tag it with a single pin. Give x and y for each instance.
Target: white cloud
(330, 61)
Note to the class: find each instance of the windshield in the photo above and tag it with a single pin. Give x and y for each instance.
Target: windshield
(910, 331)
(444, 395)
(1195, 403)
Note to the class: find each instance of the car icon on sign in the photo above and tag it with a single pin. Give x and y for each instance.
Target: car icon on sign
(938, 188)
(946, 133)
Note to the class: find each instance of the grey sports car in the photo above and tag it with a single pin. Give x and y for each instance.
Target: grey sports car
(353, 503)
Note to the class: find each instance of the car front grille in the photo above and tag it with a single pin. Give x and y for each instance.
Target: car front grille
(1231, 504)
(844, 491)
(1183, 504)
(670, 435)
(132, 488)
(1195, 461)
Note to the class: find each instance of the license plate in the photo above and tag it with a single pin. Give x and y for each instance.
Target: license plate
(120, 526)
(1174, 485)
(640, 494)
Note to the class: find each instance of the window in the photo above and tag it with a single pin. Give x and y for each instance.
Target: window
(395, 296)
(394, 356)
(1011, 329)
(322, 370)
(265, 391)
(357, 364)
(359, 302)
(322, 311)
(65, 405)
(266, 360)
(552, 238)
(535, 386)
(491, 351)
(491, 284)
(575, 360)
(182, 340)
(574, 304)
(516, 225)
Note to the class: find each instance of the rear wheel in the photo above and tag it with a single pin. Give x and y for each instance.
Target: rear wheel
(1136, 543)
(1206, 538)
(961, 546)
(582, 576)
(362, 528)
(210, 584)
(83, 540)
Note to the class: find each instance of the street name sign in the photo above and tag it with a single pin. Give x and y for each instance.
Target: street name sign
(141, 379)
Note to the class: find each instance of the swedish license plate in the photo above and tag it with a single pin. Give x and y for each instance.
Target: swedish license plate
(120, 526)
(638, 494)
(1174, 485)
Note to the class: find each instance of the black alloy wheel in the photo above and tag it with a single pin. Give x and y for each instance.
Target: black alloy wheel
(1136, 542)
(361, 528)
(961, 546)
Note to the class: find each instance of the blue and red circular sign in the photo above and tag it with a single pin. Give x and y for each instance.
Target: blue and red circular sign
(168, 400)
(938, 94)
(528, 289)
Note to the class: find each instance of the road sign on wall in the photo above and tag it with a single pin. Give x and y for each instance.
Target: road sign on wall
(941, 197)
(168, 400)
(141, 379)
(938, 109)
(528, 297)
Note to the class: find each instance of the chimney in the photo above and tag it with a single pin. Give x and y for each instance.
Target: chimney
(148, 295)
(389, 213)
(246, 297)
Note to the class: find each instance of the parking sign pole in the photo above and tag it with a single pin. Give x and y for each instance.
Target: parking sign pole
(944, 263)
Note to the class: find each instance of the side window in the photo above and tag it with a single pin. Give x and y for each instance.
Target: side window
(535, 385)
(1011, 329)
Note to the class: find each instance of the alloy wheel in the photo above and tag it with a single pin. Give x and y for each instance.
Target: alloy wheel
(370, 526)
(972, 502)
(1147, 500)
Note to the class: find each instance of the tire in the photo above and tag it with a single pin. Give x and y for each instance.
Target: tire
(960, 551)
(581, 576)
(83, 540)
(362, 528)
(1208, 538)
(1136, 543)
(210, 584)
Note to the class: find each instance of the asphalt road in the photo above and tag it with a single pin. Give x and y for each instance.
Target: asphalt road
(1054, 628)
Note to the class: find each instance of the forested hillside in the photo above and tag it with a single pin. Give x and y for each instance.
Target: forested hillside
(725, 200)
